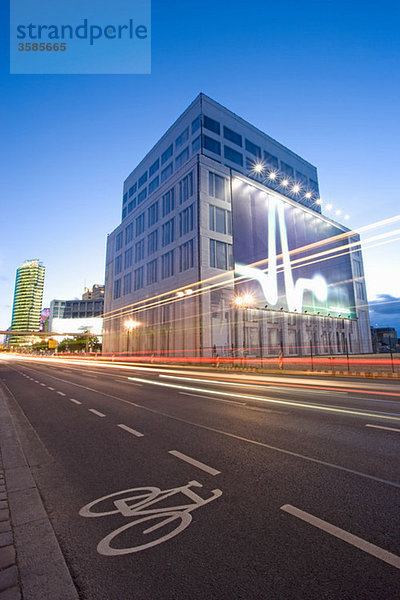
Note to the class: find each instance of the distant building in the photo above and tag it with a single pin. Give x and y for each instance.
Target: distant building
(44, 319)
(96, 293)
(28, 297)
(76, 316)
(384, 338)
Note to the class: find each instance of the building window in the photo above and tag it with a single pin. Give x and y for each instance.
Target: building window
(152, 214)
(217, 186)
(167, 154)
(138, 278)
(182, 158)
(252, 148)
(212, 125)
(271, 161)
(142, 196)
(168, 232)
(181, 139)
(186, 256)
(221, 255)
(167, 172)
(211, 145)
(128, 258)
(287, 169)
(168, 202)
(232, 136)
(196, 124)
(167, 265)
(151, 275)
(124, 198)
(186, 220)
(118, 241)
(196, 144)
(301, 178)
(127, 283)
(131, 205)
(220, 220)
(152, 242)
(142, 179)
(132, 190)
(123, 213)
(140, 224)
(117, 290)
(129, 233)
(139, 251)
(233, 155)
(118, 264)
(154, 167)
(313, 185)
(153, 185)
(186, 188)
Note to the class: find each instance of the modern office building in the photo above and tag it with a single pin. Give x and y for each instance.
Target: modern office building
(28, 297)
(76, 316)
(222, 248)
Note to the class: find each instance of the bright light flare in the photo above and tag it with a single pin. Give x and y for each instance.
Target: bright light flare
(272, 176)
(131, 324)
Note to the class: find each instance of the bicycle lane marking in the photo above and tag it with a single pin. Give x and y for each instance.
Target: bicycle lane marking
(139, 504)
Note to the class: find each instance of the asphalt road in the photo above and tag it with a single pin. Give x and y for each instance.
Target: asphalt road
(280, 487)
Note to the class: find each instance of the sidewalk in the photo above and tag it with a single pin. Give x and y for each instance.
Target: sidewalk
(32, 566)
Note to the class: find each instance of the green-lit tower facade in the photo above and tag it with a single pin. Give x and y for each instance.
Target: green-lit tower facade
(28, 297)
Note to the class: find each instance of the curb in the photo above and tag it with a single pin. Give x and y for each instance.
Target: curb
(32, 565)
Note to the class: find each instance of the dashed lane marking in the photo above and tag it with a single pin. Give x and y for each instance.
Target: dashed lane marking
(130, 430)
(214, 399)
(341, 534)
(96, 412)
(75, 401)
(50, 388)
(382, 427)
(195, 463)
(61, 393)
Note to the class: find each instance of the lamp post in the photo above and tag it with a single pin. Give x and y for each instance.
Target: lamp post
(130, 325)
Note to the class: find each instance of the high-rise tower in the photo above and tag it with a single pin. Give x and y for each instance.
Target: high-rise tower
(28, 296)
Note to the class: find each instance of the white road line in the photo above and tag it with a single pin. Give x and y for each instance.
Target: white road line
(130, 430)
(341, 534)
(50, 388)
(43, 384)
(311, 459)
(382, 427)
(61, 393)
(36, 381)
(76, 401)
(194, 462)
(215, 399)
(96, 412)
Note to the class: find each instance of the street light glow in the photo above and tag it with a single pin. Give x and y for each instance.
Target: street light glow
(258, 168)
(308, 195)
(285, 182)
(239, 301)
(131, 324)
(296, 188)
(272, 175)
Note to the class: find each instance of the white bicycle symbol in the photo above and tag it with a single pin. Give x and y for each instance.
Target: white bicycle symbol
(140, 502)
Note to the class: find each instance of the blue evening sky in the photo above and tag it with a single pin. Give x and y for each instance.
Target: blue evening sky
(320, 76)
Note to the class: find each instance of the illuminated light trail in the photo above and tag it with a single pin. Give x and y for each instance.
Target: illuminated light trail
(334, 409)
(137, 306)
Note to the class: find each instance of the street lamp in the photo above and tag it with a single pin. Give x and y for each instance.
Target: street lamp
(130, 325)
(244, 302)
